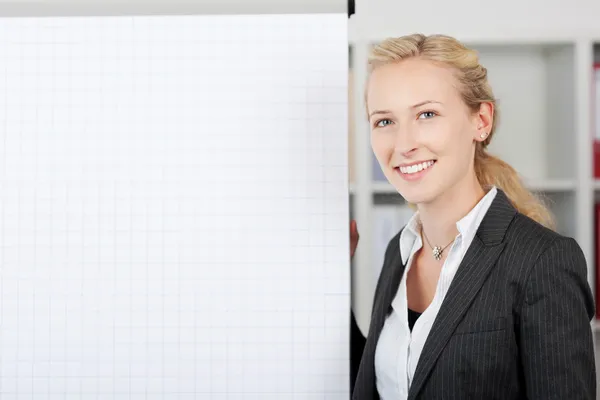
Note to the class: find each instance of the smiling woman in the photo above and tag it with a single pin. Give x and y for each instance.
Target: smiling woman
(431, 109)
(478, 296)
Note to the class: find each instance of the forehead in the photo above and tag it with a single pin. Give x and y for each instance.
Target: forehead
(403, 84)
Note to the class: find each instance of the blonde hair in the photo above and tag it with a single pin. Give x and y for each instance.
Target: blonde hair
(474, 89)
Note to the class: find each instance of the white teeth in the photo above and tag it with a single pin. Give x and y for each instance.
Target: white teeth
(416, 167)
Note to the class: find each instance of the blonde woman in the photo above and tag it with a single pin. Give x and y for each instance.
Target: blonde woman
(479, 297)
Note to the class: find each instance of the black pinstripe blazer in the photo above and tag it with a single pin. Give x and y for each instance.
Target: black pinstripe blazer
(515, 323)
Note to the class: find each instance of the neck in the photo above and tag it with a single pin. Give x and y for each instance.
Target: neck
(438, 219)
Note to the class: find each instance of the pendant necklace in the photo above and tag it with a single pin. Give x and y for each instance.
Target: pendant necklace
(436, 250)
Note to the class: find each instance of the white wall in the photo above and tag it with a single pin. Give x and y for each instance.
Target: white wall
(476, 19)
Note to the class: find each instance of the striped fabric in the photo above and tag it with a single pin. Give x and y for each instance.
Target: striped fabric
(515, 323)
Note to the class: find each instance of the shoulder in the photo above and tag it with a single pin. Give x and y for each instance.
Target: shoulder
(529, 239)
(546, 262)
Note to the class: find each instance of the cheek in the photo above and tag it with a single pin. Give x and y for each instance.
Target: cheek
(383, 145)
(448, 140)
(439, 142)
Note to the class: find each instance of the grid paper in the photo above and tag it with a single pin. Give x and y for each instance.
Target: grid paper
(174, 207)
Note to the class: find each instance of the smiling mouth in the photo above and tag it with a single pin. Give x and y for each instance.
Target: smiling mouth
(413, 169)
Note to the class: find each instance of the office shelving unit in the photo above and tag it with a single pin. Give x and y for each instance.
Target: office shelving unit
(544, 86)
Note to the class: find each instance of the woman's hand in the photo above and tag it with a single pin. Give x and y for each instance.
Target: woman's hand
(353, 238)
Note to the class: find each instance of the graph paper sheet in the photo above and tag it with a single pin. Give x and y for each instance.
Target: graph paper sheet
(173, 205)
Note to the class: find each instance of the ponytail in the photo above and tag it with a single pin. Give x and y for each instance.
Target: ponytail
(492, 171)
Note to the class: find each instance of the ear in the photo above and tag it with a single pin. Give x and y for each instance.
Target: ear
(483, 121)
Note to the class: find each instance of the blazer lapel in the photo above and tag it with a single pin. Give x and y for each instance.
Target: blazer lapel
(365, 387)
(470, 276)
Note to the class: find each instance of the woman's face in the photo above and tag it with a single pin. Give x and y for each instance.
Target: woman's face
(422, 133)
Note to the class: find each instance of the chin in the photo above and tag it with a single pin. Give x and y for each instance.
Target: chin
(417, 197)
(420, 193)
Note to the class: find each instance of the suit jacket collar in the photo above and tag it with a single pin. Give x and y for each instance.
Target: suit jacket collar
(472, 272)
(466, 226)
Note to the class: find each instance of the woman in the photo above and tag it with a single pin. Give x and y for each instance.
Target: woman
(478, 297)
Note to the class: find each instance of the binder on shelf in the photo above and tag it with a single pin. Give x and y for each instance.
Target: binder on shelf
(596, 119)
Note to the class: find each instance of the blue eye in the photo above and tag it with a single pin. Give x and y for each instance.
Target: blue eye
(427, 114)
(379, 123)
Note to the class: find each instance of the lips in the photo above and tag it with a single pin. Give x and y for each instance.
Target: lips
(415, 168)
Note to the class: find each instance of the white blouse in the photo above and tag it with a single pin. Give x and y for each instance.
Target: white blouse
(398, 349)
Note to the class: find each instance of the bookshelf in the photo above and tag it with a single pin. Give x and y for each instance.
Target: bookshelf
(544, 86)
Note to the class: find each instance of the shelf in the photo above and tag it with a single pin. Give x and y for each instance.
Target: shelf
(546, 186)
(535, 88)
(551, 185)
(383, 188)
(559, 195)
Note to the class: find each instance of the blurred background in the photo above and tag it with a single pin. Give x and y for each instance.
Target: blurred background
(543, 59)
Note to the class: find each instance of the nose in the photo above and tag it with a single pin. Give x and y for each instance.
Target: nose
(405, 142)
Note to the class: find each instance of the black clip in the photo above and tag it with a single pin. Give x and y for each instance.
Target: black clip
(350, 8)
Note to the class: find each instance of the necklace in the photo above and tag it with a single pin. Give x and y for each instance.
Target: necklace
(436, 250)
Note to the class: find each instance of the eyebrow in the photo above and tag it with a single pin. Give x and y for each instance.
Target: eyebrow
(380, 112)
(425, 102)
(422, 103)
